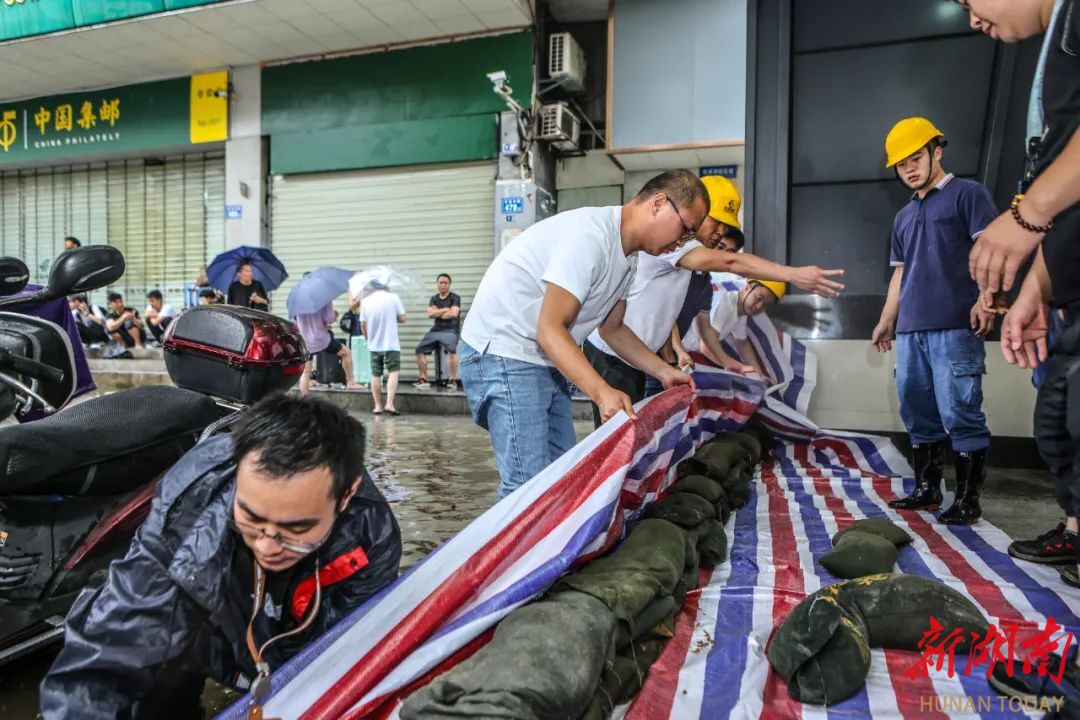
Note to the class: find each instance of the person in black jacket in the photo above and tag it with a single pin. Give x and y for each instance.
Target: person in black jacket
(246, 291)
(279, 522)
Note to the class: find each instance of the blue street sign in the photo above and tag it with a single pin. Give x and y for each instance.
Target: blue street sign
(513, 205)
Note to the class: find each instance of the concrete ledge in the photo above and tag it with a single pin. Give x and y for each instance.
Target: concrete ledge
(135, 365)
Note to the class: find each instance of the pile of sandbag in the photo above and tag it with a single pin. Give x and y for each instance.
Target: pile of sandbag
(588, 644)
(822, 648)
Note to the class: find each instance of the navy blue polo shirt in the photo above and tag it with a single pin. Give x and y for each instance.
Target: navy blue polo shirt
(932, 240)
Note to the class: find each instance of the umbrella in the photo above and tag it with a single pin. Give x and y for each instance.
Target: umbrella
(265, 267)
(316, 289)
(400, 281)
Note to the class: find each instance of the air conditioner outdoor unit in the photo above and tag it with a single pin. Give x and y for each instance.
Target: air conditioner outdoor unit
(559, 126)
(566, 61)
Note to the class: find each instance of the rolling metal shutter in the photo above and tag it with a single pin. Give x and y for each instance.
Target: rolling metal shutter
(428, 219)
(165, 215)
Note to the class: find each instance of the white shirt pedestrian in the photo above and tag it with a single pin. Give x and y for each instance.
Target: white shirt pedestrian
(380, 311)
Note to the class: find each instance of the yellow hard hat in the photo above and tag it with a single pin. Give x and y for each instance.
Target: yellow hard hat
(907, 136)
(778, 288)
(724, 200)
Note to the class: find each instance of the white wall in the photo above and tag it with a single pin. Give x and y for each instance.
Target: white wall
(856, 390)
(679, 72)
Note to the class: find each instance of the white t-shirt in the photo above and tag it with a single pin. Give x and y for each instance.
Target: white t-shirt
(580, 251)
(724, 316)
(380, 310)
(166, 311)
(655, 299)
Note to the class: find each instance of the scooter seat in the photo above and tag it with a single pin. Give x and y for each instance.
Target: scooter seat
(106, 445)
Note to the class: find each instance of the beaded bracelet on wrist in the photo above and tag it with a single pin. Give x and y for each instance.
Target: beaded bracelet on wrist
(1014, 209)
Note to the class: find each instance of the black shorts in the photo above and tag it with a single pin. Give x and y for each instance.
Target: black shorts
(334, 346)
(1057, 418)
(616, 373)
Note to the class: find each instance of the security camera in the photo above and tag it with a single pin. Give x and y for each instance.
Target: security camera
(497, 78)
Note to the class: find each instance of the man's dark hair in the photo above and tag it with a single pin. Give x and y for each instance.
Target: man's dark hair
(444, 275)
(113, 297)
(74, 240)
(80, 298)
(736, 235)
(294, 434)
(207, 293)
(241, 266)
(153, 295)
(682, 186)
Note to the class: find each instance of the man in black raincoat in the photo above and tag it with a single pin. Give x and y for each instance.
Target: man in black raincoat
(278, 522)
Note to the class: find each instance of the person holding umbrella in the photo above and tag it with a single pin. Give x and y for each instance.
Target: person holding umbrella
(310, 304)
(247, 291)
(249, 274)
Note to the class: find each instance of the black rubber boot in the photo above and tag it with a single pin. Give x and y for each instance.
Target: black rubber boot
(970, 476)
(929, 464)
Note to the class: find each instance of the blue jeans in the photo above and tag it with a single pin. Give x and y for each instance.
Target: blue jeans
(939, 381)
(524, 407)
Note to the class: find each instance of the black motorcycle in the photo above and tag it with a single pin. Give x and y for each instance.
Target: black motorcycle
(77, 484)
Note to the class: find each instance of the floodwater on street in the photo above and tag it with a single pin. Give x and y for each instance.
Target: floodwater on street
(437, 472)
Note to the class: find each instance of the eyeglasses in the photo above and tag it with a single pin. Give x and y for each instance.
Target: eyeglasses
(251, 533)
(689, 233)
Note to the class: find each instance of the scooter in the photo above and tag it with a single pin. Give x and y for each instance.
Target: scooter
(76, 485)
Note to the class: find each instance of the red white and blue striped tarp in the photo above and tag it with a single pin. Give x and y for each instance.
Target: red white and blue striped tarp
(816, 483)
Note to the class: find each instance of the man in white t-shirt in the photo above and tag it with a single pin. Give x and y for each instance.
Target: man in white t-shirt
(661, 282)
(158, 315)
(538, 301)
(727, 321)
(380, 314)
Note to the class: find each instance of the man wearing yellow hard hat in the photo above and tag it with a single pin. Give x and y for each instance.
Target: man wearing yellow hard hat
(933, 315)
(660, 287)
(727, 319)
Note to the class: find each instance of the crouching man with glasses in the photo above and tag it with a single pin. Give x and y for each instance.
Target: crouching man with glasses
(257, 542)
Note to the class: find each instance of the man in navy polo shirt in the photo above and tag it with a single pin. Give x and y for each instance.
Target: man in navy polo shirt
(934, 315)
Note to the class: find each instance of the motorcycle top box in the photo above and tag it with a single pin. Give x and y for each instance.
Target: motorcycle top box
(233, 353)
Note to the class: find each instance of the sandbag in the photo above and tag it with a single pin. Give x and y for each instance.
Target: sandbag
(712, 543)
(686, 510)
(621, 681)
(723, 509)
(700, 485)
(858, 554)
(880, 527)
(749, 442)
(645, 566)
(822, 648)
(543, 663)
(714, 460)
(737, 490)
(654, 614)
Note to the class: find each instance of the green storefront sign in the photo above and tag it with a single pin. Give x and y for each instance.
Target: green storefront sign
(131, 117)
(23, 18)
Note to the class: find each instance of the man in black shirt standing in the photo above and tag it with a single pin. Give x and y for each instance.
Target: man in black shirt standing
(1044, 219)
(445, 308)
(246, 291)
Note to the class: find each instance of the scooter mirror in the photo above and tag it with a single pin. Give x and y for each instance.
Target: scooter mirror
(83, 269)
(13, 275)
